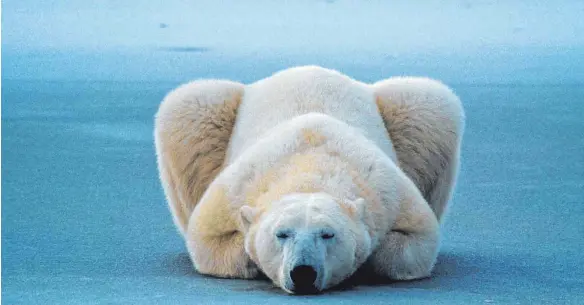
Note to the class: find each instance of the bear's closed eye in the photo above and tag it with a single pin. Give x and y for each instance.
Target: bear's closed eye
(327, 235)
(282, 235)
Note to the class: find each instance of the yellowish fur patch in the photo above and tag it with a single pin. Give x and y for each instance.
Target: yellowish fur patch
(304, 172)
(298, 174)
(312, 137)
(216, 216)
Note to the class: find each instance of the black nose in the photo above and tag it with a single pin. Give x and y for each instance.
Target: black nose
(303, 278)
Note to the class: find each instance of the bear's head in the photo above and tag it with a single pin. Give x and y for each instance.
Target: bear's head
(307, 242)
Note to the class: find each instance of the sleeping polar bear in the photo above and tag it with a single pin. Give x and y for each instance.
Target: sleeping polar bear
(308, 175)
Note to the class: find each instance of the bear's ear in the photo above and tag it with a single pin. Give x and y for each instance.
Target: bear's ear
(358, 206)
(248, 214)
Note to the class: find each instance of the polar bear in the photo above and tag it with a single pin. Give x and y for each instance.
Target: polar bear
(308, 175)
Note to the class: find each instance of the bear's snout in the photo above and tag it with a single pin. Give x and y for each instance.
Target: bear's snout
(303, 278)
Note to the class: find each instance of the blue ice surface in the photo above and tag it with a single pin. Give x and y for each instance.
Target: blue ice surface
(84, 218)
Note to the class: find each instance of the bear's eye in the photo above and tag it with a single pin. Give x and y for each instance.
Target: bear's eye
(282, 235)
(327, 235)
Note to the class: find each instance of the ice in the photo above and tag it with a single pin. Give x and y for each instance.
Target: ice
(84, 218)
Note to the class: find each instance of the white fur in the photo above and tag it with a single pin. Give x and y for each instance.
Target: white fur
(312, 150)
(302, 90)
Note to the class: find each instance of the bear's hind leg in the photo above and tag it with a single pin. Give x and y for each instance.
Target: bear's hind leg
(425, 122)
(192, 131)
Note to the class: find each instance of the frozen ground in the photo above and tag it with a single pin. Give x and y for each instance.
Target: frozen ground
(84, 220)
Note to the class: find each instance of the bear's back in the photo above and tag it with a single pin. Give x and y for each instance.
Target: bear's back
(302, 90)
